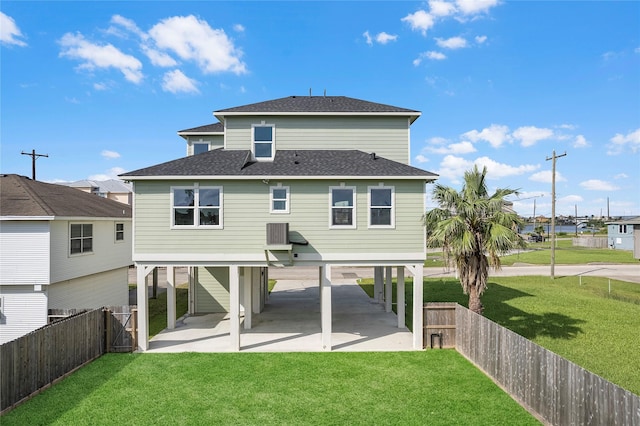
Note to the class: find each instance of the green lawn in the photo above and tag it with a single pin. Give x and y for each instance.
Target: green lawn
(391, 388)
(540, 254)
(584, 323)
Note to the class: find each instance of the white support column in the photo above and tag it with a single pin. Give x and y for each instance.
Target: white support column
(143, 308)
(400, 296)
(418, 308)
(234, 307)
(171, 297)
(388, 288)
(255, 289)
(378, 278)
(248, 308)
(325, 306)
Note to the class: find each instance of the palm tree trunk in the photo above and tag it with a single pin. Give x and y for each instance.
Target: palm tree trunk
(474, 300)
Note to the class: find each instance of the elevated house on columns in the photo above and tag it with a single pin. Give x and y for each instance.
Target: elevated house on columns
(303, 180)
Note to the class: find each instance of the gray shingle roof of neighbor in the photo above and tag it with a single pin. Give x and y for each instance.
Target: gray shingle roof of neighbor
(21, 196)
(299, 163)
(207, 128)
(311, 104)
(111, 185)
(627, 221)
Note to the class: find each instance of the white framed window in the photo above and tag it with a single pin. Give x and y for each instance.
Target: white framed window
(263, 141)
(381, 206)
(342, 207)
(196, 207)
(119, 232)
(200, 147)
(279, 199)
(80, 238)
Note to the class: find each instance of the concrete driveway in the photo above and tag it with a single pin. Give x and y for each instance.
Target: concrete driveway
(290, 322)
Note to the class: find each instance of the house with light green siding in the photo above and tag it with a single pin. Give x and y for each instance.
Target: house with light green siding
(316, 181)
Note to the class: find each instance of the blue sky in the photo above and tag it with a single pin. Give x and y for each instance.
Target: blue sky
(103, 87)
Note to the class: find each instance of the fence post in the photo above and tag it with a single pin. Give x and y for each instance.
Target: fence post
(134, 331)
(107, 322)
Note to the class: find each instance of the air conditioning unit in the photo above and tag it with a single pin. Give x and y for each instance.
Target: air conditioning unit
(277, 233)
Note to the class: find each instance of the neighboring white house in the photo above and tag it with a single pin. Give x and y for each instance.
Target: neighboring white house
(112, 189)
(298, 181)
(60, 248)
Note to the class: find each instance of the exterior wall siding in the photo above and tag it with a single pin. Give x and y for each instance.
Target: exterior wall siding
(110, 288)
(212, 290)
(388, 137)
(620, 240)
(23, 310)
(25, 252)
(215, 141)
(108, 254)
(246, 212)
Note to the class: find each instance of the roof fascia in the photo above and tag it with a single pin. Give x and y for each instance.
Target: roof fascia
(280, 177)
(27, 218)
(413, 115)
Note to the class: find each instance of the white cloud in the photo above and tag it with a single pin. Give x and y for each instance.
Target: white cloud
(619, 142)
(567, 126)
(481, 39)
(454, 148)
(110, 155)
(452, 43)
(112, 173)
(419, 21)
(621, 176)
(497, 170)
(127, 24)
(474, 7)
(158, 58)
(495, 134)
(580, 142)
(453, 167)
(421, 158)
(384, 38)
(546, 176)
(637, 50)
(176, 82)
(436, 56)
(193, 39)
(10, 34)
(94, 56)
(437, 140)
(598, 185)
(367, 38)
(530, 135)
(100, 86)
(570, 199)
(441, 8)
(238, 28)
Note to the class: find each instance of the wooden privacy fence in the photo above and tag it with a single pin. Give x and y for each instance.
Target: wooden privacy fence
(591, 242)
(439, 325)
(39, 359)
(554, 389)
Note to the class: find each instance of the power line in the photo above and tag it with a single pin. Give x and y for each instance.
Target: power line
(554, 157)
(34, 157)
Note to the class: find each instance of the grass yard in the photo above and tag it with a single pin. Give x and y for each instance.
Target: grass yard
(158, 309)
(583, 323)
(402, 388)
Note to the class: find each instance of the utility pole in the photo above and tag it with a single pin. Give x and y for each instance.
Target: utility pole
(34, 157)
(554, 157)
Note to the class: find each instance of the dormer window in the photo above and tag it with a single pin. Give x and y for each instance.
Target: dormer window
(200, 147)
(263, 141)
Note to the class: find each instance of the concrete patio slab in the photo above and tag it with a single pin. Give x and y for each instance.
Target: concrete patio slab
(290, 322)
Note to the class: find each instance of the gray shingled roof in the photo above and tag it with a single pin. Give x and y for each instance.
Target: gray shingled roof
(311, 163)
(311, 104)
(207, 128)
(21, 196)
(111, 185)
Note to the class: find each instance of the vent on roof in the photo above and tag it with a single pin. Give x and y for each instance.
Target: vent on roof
(277, 233)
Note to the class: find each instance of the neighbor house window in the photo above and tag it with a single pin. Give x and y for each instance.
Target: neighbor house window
(343, 211)
(119, 231)
(263, 141)
(279, 199)
(200, 147)
(81, 238)
(381, 207)
(622, 229)
(196, 207)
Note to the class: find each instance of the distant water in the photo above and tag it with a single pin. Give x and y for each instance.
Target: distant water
(569, 229)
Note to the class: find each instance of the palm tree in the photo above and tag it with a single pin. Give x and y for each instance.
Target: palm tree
(473, 230)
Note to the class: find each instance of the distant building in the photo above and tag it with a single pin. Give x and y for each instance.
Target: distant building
(59, 249)
(112, 189)
(625, 235)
